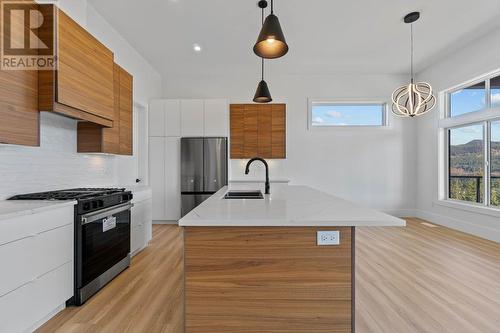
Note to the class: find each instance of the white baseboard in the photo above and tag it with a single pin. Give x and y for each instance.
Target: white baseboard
(165, 222)
(449, 222)
(460, 225)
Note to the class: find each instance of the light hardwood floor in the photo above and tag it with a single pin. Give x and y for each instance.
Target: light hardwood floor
(416, 279)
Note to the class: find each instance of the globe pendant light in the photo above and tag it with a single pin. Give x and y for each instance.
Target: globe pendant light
(271, 42)
(262, 94)
(413, 99)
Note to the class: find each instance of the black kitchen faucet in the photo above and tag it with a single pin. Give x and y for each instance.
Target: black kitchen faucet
(247, 170)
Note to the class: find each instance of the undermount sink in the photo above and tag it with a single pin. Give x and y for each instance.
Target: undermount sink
(244, 195)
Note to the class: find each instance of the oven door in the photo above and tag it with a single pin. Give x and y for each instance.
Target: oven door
(105, 241)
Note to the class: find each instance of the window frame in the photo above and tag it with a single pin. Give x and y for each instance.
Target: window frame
(484, 117)
(311, 102)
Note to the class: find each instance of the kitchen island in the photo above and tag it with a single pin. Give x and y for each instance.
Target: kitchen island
(254, 265)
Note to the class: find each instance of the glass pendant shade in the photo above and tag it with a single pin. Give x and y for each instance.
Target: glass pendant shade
(271, 43)
(262, 94)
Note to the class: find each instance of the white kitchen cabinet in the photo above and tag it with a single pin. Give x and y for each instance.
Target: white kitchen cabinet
(141, 231)
(157, 150)
(15, 271)
(164, 165)
(216, 117)
(157, 118)
(172, 179)
(192, 117)
(171, 119)
(51, 288)
(172, 108)
(23, 309)
(17, 312)
(36, 252)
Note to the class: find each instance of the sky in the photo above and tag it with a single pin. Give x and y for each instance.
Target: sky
(346, 115)
(462, 135)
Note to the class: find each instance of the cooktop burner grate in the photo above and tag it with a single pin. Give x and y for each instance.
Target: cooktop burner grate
(71, 194)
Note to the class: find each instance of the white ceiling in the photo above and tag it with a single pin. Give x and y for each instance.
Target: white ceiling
(325, 36)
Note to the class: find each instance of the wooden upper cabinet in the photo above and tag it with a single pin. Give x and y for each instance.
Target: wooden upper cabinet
(258, 130)
(94, 138)
(278, 131)
(19, 117)
(82, 86)
(126, 111)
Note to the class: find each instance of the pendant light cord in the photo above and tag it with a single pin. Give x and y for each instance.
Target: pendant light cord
(263, 25)
(411, 52)
(262, 69)
(272, 7)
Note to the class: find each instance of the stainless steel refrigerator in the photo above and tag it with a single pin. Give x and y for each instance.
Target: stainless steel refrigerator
(203, 170)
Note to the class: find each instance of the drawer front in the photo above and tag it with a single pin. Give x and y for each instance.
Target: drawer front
(27, 258)
(54, 248)
(51, 290)
(17, 312)
(22, 308)
(28, 225)
(17, 260)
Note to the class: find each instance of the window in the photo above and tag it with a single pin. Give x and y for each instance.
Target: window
(495, 163)
(466, 157)
(473, 142)
(327, 114)
(495, 91)
(468, 99)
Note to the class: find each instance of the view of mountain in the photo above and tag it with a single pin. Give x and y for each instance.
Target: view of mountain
(467, 161)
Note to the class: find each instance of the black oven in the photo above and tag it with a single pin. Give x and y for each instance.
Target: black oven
(102, 249)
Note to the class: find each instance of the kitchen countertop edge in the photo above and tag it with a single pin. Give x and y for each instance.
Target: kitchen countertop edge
(10, 209)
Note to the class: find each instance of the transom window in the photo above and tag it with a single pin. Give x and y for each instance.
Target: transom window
(472, 136)
(338, 114)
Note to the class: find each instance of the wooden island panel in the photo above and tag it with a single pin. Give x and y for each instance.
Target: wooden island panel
(267, 279)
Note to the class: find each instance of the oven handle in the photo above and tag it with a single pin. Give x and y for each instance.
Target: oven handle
(89, 218)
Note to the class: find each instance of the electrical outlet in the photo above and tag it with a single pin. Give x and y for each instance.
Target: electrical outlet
(328, 238)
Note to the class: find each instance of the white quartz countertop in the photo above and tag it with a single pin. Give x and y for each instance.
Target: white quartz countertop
(248, 180)
(286, 206)
(10, 209)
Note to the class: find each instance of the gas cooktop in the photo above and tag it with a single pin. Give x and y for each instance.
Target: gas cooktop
(71, 194)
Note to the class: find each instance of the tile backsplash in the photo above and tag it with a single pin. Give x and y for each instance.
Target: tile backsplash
(55, 164)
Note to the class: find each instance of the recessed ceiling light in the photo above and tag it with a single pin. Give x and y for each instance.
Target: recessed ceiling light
(196, 48)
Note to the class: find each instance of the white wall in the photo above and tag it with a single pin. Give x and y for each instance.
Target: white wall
(478, 58)
(373, 167)
(56, 164)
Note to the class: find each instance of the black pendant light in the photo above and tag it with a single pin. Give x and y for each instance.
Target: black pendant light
(262, 94)
(271, 43)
